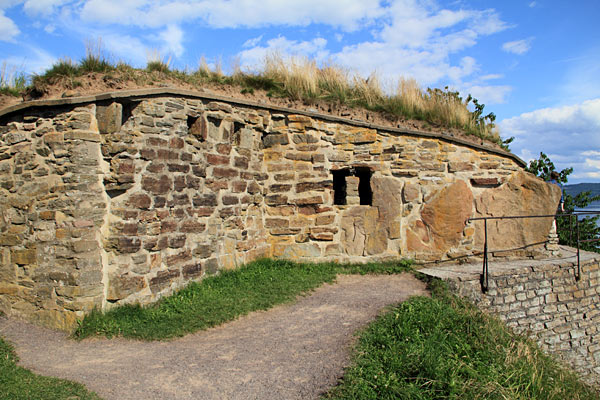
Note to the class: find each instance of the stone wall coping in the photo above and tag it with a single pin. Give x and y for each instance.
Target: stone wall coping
(207, 95)
(472, 271)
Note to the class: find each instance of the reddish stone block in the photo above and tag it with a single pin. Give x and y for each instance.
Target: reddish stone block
(129, 244)
(129, 229)
(126, 167)
(199, 128)
(253, 188)
(192, 182)
(307, 186)
(276, 200)
(160, 201)
(156, 186)
(200, 211)
(179, 183)
(163, 214)
(224, 148)
(163, 279)
(178, 168)
(278, 188)
(192, 270)
(229, 200)
(215, 186)
(164, 154)
(155, 167)
(186, 157)
(241, 162)
(178, 212)
(307, 210)
(177, 242)
(485, 181)
(239, 186)
(199, 170)
(225, 173)
(179, 200)
(168, 226)
(288, 176)
(277, 223)
(148, 154)
(309, 200)
(192, 226)
(227, 212)
(209, 199)
(156, 142)
(176, 143)
(178, 258)
(149, 215)
(214, 159)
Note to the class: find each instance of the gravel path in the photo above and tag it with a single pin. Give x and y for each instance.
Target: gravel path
(293, 351)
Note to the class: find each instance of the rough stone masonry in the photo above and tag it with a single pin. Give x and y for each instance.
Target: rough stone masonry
(125, 197)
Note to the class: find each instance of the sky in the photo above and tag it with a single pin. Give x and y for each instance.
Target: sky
(535, 64)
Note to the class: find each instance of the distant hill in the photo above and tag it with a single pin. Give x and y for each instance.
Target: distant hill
(573, 190)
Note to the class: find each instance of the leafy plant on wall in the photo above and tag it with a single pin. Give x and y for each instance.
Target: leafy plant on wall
(588, 226)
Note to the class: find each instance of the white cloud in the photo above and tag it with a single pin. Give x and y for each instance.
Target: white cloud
(252, 42)
(532, 4)
(518, 46)
(42, 7)
(570, 135)
(127, 48)
(172, 38)
(346, 14)
(8, 29)
(489, 94)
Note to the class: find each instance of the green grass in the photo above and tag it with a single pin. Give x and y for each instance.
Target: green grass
(259, 285)
(19, 383)
(445, 348)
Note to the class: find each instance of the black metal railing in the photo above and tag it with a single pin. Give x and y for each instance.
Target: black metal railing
(574, 215)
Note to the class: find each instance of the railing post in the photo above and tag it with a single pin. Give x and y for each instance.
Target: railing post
(484, 273)
(578, 276)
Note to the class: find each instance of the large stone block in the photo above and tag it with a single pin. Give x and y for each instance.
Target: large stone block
(522, 194)
(110, 117)
(443, 219)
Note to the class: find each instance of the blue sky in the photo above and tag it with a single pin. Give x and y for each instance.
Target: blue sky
(535, 64)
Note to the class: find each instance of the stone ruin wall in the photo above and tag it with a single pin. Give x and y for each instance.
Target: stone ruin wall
(125, 198)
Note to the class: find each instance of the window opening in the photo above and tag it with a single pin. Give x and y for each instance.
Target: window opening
(191, 121)
(340, 186)
(364, 185)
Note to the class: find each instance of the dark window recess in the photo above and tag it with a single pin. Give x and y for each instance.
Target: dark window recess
(127, 111)
(340, 187)
(191, 121)
(364, 185)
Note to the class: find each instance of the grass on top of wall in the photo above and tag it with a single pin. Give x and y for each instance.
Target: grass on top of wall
(443, 347)
(258, 285)
(17, 383)
(296, 78)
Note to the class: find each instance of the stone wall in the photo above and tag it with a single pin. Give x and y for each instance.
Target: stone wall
(125, 197)
(545, 301)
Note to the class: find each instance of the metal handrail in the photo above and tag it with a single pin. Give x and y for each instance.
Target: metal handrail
(484, 280)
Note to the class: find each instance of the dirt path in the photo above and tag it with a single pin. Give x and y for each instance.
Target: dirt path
(294, 351)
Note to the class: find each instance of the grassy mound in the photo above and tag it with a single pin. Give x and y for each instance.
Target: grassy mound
(294, 78)
(445, 348)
